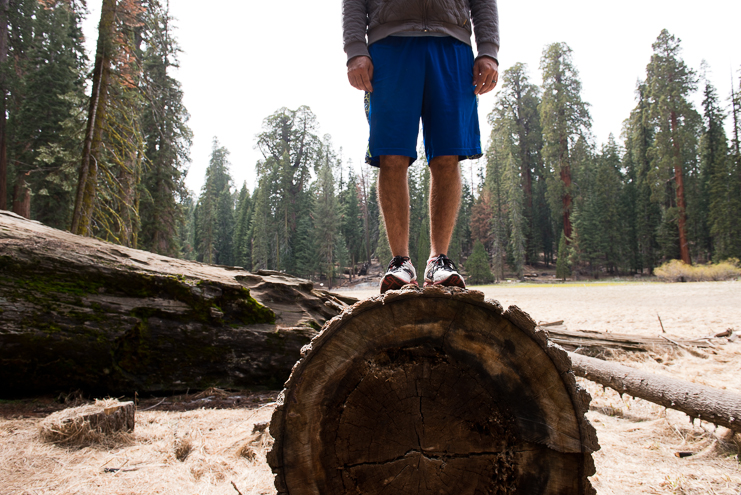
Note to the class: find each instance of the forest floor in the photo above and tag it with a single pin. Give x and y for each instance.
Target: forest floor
(204, 443)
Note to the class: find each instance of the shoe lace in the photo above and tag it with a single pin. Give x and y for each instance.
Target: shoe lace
(397, 261)
(444, 261)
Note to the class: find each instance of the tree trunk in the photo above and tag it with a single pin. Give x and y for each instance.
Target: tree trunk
(364, 180)
(78, 313)
(3, 105)
(430, 391)
(721, 407)
(88, 178)
(684, 249)
(22, 197)
(566, 179)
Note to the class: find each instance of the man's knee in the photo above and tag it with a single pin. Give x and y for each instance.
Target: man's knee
(394, 163)
(444, 165)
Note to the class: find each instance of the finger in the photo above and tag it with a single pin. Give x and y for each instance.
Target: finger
(488, 84)
(480, 82)
(476, 71)
(354, 80)
(365, 81)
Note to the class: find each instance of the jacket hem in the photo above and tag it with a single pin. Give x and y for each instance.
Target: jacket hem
(390, 28)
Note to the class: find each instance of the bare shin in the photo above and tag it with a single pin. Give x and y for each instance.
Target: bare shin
(393, 196)
(445, 199)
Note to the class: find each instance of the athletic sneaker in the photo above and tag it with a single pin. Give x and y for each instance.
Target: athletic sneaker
(400, 273)
(441, 271)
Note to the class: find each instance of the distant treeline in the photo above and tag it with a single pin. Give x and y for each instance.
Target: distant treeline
(112, 165)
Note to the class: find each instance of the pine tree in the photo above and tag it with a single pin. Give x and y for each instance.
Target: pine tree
(17, 40)
(564, 117)
(215, 220)
(517, 221)
(383, 250)
(326, 216)
(639, 137)
(306, 248)
(167, 135)
(187, 230)
(516, 116)
(87, 183)
(352, 220)
(262, 226)
(669, 83)
(290, 147)
(242, 225)
(717, 174)
(496, 189)
(461, 244)
(369, 208)
(477, 265)
(45, 75)
(562, 262)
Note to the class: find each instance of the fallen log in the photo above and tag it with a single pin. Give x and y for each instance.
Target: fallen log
(590, 339)
(431, 391)
(79, 313)
(721, 407)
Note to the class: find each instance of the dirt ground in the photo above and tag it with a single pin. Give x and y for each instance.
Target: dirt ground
(205, 443)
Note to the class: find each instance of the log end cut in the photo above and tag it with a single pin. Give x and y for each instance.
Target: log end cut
(432, 391)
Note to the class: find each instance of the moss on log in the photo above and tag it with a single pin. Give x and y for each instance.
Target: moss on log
(78, 313)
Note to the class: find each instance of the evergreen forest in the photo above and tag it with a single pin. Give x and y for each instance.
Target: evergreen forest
(101, 147)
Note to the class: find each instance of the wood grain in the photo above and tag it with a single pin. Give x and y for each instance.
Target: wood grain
(432, 391)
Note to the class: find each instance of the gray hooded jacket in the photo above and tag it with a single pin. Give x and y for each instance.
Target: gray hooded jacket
(380, 18)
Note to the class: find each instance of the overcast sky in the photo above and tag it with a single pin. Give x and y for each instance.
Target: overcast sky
(243, 60)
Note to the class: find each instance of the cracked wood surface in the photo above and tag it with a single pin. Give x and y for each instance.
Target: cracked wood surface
(76, 312)
(432, 391)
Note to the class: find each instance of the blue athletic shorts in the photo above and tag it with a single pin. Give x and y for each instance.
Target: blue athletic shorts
(422, 77)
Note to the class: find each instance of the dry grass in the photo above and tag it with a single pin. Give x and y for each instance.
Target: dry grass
(678, 271)
(639, 439)
(153, 462)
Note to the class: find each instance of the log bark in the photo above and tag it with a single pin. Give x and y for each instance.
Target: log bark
(3, 105)
(721, 407)
(78, 313)
(599, 341)
(432, 391)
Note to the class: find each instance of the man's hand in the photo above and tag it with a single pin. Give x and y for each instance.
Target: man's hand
(485, 75)
(360, 73)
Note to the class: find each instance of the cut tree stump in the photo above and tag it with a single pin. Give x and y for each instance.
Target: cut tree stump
(79, 313)
(85, 424)
(432, 391)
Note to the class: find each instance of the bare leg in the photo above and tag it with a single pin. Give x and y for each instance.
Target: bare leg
(445, 199)
(393, 196)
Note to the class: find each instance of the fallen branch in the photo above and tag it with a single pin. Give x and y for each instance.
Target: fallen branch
(235, 487)
(581, 339)
(721, 407)
(687, 348)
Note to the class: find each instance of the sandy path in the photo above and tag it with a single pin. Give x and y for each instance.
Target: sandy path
(686, 310)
